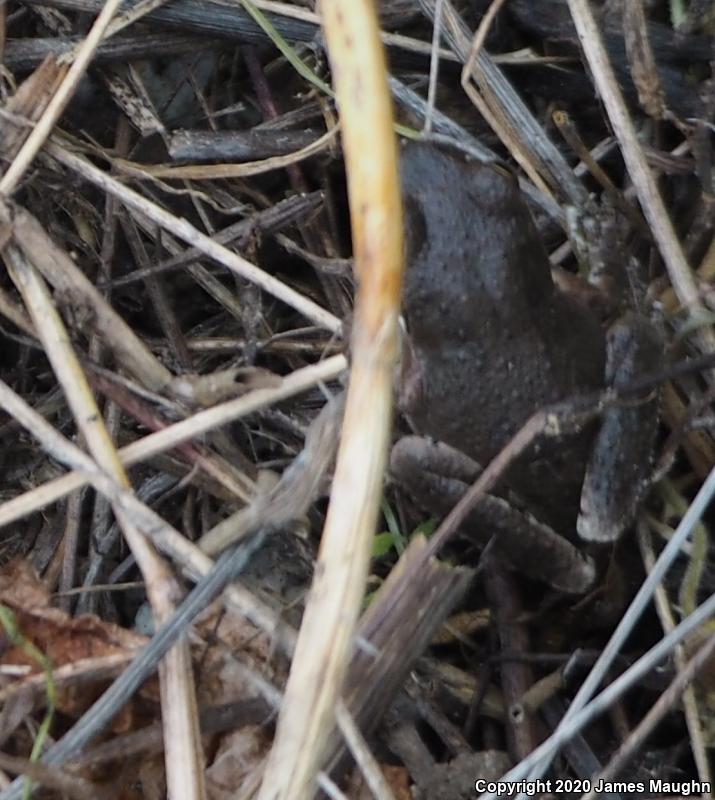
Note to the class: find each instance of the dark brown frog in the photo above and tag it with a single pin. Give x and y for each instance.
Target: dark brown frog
(490, 341)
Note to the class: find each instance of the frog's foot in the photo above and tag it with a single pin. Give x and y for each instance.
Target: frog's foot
(437, 475)
(617, 472)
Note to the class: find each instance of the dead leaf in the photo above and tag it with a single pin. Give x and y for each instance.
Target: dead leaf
(63, 639)
(240, 755)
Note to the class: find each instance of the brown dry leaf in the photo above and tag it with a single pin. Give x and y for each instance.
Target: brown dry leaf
(61, 638)
(398, 779)
(20, 587)
(462, 626)
(139, 780)
(239, 755)
(235, 650)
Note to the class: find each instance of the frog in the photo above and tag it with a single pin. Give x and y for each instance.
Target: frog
(491, 339)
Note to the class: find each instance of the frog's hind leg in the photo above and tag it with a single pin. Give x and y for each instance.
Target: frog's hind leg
(437, 475)
(620, 463)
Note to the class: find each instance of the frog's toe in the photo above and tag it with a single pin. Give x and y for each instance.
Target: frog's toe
(615, 482)
(617, 473)
(592, 527)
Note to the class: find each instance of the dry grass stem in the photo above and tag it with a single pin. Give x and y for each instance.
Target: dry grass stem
(360, 751)
(480, 36)
(73, 285)
(191, 558)
(174, 223)
(667, 700)
(53, 778)
(326, 637)
(667, 620)
(586, 705)
(17, 315)
(131, 15)
(509, 117)
(80, 672)
(294, 493)
(207, 172)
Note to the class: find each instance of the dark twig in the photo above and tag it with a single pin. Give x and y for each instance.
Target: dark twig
(22, 55)
(207, 19)
(516, 676)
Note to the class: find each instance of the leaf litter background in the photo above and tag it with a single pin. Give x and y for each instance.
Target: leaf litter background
(195, 108)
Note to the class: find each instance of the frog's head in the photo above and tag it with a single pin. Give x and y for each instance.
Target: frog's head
(473, 251)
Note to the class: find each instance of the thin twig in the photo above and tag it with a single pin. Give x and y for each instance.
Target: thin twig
(480, 36)
(367, 762)
(196, 425)
(54, 778)
(216, 171)
(656, 712)
(433, 66)
(102, 712)
(183, 754)
(692, 717)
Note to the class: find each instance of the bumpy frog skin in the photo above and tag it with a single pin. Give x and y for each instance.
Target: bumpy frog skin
(490, 341)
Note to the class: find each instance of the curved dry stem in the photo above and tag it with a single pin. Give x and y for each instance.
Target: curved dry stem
(59, 101)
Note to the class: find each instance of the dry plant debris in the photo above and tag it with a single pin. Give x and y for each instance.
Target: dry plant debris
(176, 309)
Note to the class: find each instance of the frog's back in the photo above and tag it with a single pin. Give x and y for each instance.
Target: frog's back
(495, 340)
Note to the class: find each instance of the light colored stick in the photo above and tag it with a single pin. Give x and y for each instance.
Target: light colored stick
(689, 700)
(209, 172)
(480, 36)
(374, 778)
(66, 278)
(508, 115)
(184, 552)
(82, 671)
(325, 642)
(583, 708)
